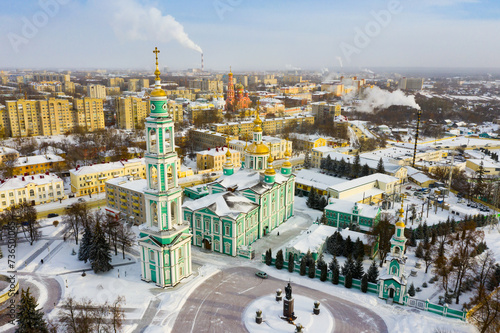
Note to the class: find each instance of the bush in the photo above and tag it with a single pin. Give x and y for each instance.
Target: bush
(418, 289)
(335, 276)
(269, 257)
(312, 269)
(291, 262)
(424, 285)
(55, 223)
(303, 266)
(364, 283)
(411, 291)
(279, 259)
(324, 273)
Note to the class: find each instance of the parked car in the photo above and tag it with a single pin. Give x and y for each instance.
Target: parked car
(408, 187)
(52, 215)
(81, 200)
(262, 275)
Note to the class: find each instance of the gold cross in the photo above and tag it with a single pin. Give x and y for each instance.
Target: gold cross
(156, 51)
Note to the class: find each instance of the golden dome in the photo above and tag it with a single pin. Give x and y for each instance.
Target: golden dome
(270, 172)
(286, 164)
(270, 159)
(287, 153)
(400, 224)
(158, 93)
(258, 149)
(228, 154)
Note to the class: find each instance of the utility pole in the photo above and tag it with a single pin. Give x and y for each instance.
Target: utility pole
(451, 172)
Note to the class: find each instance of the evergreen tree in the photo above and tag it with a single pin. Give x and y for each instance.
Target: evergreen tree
(334, 264)
(307, 161)
(380, 166)
(348, 266)
(335, 275)
(348, 247)
(359, 249)
(291, 262)
(316, 201)
(373, 273)
(303, 266)
(348, 167)
(341, 167)
(419, 252)
(85, 244)
(358, 271)
(324, 273)
(328, 163)
(425, 232)
(339, 243)
(356, 167)
(29, 319)
(413, 241)
(312, 269)
(269, 257)
(322, 202)
(411, 291)
(348, 280)
(320, 262)
(365, 171)
(99, 254)
(364, 283)
(279, 259)
(311, 198)
(324, 220)
(331, 244)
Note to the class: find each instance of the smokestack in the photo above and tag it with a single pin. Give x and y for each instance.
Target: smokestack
(202, 62)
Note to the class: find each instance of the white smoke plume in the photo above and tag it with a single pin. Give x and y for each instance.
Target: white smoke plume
(377, 98)
(133, 21)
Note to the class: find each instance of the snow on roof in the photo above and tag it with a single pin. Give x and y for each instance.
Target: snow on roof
(323, 149)
(376, 177)
(216, 151)
(7, 150)
(316, 179)
(223, 204)
(486, 163)
(103, 167)
(307, 137)
(420, 177)
(372, 163)
(363, 195)
(345, 206)
(38, 159)
(23, 181)
(138, 185)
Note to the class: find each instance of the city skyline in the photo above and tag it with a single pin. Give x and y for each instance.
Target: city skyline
(250, 35)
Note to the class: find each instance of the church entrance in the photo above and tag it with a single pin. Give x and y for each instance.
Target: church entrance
(153, 275)
(391, 293)
(207, 245)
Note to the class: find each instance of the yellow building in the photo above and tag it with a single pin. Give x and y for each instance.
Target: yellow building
(322, 109)
(36, 189)
(289, 90)
(116, 82)
(181, 93)
(306, 142)
(491, 168)
(32, 165)
(131, 112)
(37, 117)
(292, 79)
(91, 179)
(214, 159)
(269, 126)
(176, 110)
(125, 195)
(96, 91)
(88, 113)
(207, 139)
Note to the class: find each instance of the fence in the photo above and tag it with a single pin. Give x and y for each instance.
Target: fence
(442, 310)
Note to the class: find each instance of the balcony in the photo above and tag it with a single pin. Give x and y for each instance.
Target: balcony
(123, 200)
(136, 211)
(111, 196)
(135, 197)
(136, 204)
(123, 207)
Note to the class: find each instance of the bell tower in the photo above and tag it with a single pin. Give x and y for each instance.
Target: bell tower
(164, 239)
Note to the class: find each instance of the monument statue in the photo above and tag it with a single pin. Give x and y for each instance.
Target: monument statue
(288, 291)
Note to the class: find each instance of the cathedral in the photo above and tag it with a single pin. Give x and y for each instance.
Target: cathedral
(243, 205)
(164, 239)
(236, 101)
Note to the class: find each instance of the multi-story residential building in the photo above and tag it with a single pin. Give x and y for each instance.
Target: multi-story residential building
(323, 109)
(116, 82)
(133, 85)
(176, 111)
(36, 189)
(39, 77)
(214, 158)
(89, 113)
(411, 83)
(206, 85)
(96, 91)
(32, 165)
(306, 142)
(131, 112)
(125, 195)
(92, 178)
(269, 126)
(204, 139)
(37, 117)
(277, 146)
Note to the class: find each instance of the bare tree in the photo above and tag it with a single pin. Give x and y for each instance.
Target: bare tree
(126, 237)
(7, 165)
(382, 233)
(77, 217)
(486, 313)
(29, 222)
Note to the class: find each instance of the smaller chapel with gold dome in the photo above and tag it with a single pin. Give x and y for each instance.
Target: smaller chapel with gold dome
(244, 204)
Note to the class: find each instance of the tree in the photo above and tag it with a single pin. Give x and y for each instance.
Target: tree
(125, 237)
(324, 273)
(291, 262)
(7, 165)
(348, 266)
(322, 204)
(428, 257)
(312, 269)
(411, 291)
(348, 280)
(311, 199)
(358, 271)
(307, 161)
(303, 265)
(382, 233)
(29, 319)
(99, 254)
(323, 220)
(359, 249)
(85, 244)
(29, 223)
(478, 187)
(279, 259)
(348, 247)
(356, 167)
(364, 283)
(486, 312)
(419, 252)
(269, 257)
(117, 314)
(373, 273)
(380, 166)
(335, 274)
(76, 217)
(365, 171)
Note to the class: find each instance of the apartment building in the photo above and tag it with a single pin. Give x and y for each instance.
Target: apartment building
(36, 189)
(32, 165)
(125, 196)
(204, 139)
(176, 110)
(131, 112)
(92, 178)
(89, 113)
(96, 91)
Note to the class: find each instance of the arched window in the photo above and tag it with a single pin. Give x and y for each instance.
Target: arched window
(170, 177)
(168, 142)
(152, 141)
(154, 214)
(173, 213)
(153, 180)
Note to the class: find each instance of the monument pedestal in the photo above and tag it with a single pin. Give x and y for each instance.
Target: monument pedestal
(288, 311)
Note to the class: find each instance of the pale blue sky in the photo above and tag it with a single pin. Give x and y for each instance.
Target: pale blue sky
(249, 34)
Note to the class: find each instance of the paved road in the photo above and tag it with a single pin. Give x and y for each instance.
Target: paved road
(218, 305)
